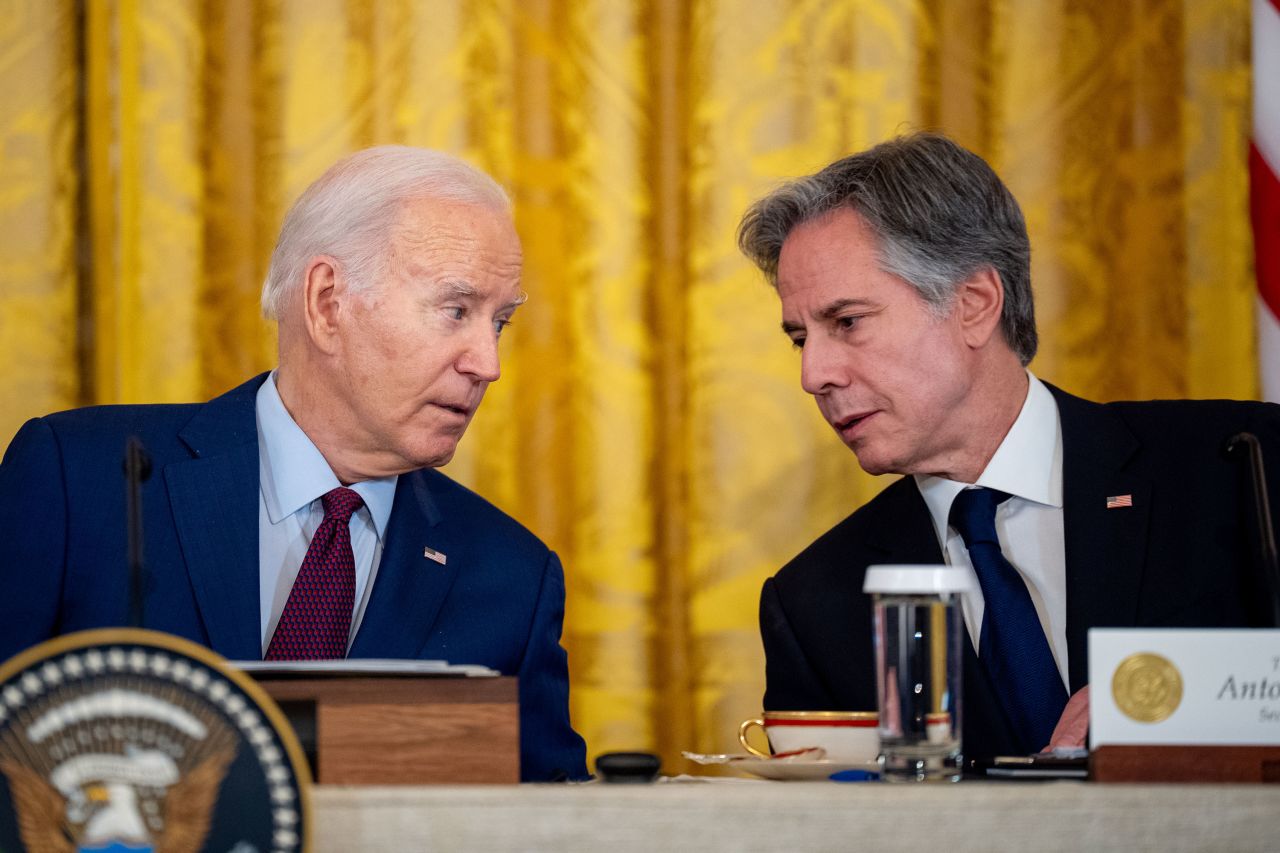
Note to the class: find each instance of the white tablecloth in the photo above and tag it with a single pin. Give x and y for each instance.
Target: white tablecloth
(708, 816)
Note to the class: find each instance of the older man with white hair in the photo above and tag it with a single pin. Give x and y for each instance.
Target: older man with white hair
(298, 516)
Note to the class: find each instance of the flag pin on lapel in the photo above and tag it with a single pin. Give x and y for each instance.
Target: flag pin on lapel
(1117, 501)
(432, 554)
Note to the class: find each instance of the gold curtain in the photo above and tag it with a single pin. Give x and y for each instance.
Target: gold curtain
(649, 424)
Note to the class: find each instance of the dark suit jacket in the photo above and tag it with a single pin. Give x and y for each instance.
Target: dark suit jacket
(1184, 555)
(499, 601)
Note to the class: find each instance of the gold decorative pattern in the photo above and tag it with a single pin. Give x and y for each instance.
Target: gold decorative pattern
(39, 186)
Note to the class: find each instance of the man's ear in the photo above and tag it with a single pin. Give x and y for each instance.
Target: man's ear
(979, 303)
(322, 290)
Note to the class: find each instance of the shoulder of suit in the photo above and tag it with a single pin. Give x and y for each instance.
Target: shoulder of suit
(457, 502)
(111, 425)
(1180, 421)
(104, 428)
(89, 443)
(843, 545)
(145, 416)
(1238, 410)
(1177, 408)
(123, 414)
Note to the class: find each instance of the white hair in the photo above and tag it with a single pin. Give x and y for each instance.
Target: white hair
(349, 212)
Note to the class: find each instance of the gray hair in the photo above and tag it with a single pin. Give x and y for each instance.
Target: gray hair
(349, 212)
(940, 212)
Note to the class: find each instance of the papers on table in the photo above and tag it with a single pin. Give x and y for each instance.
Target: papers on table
(364, 666)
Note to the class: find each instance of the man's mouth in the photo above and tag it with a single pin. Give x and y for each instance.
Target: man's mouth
(460, 409)
(850, 426)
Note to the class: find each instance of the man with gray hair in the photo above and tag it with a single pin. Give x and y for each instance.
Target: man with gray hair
(299, 516)
(904, 279)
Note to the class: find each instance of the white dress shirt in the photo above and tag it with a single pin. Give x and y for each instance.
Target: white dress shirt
(1028, 466)
(292, 477)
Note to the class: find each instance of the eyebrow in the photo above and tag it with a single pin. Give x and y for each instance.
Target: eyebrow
(828, 311)
(465, 290)
(832, 309)
(460, 290)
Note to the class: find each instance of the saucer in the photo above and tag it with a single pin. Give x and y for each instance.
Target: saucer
(797, 771)
(807, 764)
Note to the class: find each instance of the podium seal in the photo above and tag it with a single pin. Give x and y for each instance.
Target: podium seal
(1147, 687)
(129, 740)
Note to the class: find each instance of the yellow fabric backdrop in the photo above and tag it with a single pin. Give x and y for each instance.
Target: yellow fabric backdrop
(649, 423)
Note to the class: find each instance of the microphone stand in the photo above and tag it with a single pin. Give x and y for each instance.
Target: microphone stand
(137, 468)
(1262, 506)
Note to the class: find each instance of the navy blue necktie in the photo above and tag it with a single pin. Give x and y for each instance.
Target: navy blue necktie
(1012, 644)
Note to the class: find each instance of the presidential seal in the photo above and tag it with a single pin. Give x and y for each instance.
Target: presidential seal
(1147, 687)
(130, 740)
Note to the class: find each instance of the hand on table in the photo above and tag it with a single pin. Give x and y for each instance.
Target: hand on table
(1073, 726)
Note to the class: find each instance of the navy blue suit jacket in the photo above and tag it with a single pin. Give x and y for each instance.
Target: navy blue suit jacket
(499, 600)
(1184, 555)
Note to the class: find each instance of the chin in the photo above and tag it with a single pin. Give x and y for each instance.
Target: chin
(433, 454)
(874, 464)
(877, 470)
(436, 460)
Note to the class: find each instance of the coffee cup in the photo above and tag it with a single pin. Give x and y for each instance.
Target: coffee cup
(852, 736)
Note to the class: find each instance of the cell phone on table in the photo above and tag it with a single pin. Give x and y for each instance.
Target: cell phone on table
(1039, 766)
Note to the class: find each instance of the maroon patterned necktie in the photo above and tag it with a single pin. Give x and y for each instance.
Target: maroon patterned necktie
(316, 619)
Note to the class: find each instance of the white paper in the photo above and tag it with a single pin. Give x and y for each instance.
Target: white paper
(364, 666)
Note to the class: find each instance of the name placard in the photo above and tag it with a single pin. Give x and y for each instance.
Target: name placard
(1184, 686)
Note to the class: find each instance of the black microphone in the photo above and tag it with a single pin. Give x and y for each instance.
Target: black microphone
(137, 468)
(1248, 442)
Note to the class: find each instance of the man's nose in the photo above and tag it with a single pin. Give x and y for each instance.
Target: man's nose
(479, 356)
(821, 368)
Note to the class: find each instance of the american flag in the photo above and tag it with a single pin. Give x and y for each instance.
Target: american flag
(1264, 171)
(1119, 501)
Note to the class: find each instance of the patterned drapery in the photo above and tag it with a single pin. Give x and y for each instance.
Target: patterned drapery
(649, 423)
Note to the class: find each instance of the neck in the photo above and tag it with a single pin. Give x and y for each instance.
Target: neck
(998, 402)
(305, 397)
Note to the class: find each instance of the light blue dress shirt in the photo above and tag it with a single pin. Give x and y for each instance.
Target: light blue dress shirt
(292, 477)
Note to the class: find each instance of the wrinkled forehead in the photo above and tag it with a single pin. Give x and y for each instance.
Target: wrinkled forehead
(428, 223)
(464, 244)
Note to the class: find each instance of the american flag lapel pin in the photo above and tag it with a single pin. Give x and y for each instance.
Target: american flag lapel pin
(433, 554)
(1117, 501)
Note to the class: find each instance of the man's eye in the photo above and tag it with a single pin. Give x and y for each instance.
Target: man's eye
(847, 323)
(455, 312)
(499, 325)
(797, 343)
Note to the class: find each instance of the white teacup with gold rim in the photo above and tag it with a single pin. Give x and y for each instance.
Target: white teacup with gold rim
(847, 736)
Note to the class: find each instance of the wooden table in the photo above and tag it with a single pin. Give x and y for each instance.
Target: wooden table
(784, 816)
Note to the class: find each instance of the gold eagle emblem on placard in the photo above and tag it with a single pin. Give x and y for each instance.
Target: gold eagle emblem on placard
(1147, 687)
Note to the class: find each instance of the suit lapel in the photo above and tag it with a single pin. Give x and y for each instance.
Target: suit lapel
(1105, 548)
(409, 588)
(215, 511)
(906, 535)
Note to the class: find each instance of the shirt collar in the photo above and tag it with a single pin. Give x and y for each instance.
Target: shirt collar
(1027, 464)
(293, 472)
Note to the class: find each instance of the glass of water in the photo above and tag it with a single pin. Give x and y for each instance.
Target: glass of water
(918, 624)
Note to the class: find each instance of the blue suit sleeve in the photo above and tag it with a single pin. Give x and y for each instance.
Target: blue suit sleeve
(33, 519)
(550, 749)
